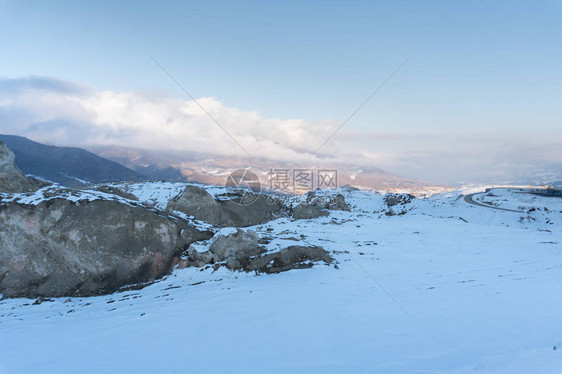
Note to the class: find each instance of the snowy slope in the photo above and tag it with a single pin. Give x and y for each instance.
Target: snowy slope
(479, 294)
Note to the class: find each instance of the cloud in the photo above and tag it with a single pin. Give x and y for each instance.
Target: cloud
(65, 113)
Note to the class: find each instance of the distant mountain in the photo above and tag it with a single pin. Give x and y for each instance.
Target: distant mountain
(214, 170)
(152, 164)
(68, 166)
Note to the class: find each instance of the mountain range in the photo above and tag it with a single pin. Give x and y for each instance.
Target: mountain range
(67, 166)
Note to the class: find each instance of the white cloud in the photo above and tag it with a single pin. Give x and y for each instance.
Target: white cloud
(63, 113)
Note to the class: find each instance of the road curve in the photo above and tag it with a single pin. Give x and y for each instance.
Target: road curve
(468, 198)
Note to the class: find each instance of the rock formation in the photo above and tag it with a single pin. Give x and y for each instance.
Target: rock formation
(308, 211)
(197, 202)
(64, 248)
(11, 178)
(240, 250)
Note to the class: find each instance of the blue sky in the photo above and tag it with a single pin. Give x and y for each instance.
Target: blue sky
(478, 66)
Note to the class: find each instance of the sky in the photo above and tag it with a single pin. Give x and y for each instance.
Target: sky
(478, 99)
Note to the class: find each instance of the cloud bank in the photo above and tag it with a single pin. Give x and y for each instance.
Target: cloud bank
(65, 113)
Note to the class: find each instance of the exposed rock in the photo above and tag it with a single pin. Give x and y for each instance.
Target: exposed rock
(397, 203)
(64, 248)
(308, 211)
(197, 202)
(398, 199)
(235, 248)
(240, 250)
(261, 210)
(336, 202)
(11, 178)
(293, 257)
(116, 191)
(199, 258)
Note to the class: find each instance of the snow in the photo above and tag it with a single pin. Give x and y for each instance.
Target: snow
(56, 192)
(481, 296)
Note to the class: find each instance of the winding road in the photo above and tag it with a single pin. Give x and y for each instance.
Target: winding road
(468, 198)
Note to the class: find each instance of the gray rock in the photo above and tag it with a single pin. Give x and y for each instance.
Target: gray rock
(64, 248)
(199, 258)
(116, 191)
(11, 178)
(197, 202)
(293, 257)
(235, 248)
(334, 202)
(338, 203)
(398, 199)
(260, 210)
(308, 211)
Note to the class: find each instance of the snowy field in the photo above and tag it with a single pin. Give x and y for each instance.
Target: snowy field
(446, 287)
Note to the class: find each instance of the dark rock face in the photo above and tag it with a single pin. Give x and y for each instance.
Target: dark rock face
(11, 178)
(197, 202)
(64, 248)
(308, 211)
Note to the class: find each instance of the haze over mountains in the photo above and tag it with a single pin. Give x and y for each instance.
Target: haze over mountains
(213, 169)
(72, 166)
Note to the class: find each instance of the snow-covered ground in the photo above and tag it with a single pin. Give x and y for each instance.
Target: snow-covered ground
(446, 287)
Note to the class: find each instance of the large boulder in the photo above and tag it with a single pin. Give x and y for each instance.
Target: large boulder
(332, 202)
(293, 257)
(393, 199)
(397, 203)
(197, 202)
(60, 247)
(240, 250)
(260, 209)
(235, 248)
(338, 203)
(11, 178)
(308, 211)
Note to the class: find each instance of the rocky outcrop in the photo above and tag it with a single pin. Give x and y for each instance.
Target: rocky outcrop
(11, 178)
(398, 199)
(240, 250)
(236, 248)
(308, 211)
(334, 202)
(397, 203)
(197, 202)
(116, 191)
(293, 257)
(58, 247)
